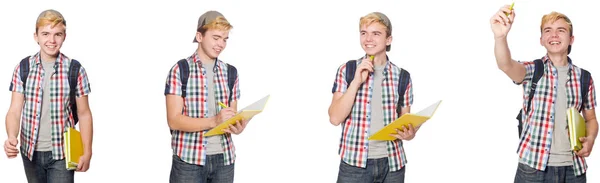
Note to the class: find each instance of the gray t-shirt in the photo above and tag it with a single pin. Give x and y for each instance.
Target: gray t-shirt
(44, 140)
(377, 148)
(213, 145)
(560, 150)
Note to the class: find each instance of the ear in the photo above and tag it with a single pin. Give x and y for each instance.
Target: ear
(199, 37)
(35, 37)
(572, 40)
(388, 41)
(541, 43)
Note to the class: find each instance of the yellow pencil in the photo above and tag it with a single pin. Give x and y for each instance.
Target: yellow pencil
(372, 57)
(511, 8)
(222, 105)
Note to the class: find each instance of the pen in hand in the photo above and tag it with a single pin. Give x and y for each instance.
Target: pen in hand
(222, 105)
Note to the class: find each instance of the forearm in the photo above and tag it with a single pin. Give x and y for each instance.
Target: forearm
(513, 69)
(502, 53)
(12, 124)
(592, 128)
(188, 124)
(86, 128)
(341, 108)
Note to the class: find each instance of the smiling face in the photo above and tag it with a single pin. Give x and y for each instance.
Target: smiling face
(50, 33)
(375, 33)
(50, 40)
(374, 38)
(557, 33)
(212, 37)
(213, 42)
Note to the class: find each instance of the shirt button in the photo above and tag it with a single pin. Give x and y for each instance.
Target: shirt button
(551, 117)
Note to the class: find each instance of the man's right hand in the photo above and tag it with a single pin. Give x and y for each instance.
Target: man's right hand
(501, 23)
(363, 70)
(224, 114)
(10, 147)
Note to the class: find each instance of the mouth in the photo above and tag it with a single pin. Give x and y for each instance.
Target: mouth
(370, 46)
(555, 42)
(218, 50)
(51, 46)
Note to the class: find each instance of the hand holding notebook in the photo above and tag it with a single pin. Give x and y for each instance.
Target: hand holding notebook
(243, 115)
(403, 122)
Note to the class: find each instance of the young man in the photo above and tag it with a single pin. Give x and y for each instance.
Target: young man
(195, 109)
(366, 104)
(41, 105)
(544, 147)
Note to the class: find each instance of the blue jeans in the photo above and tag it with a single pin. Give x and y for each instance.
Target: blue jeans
(43, 169)
(377, 171)
(213, 171)
(526, 174)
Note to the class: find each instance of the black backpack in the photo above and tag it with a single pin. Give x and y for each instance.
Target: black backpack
(404, 79)
(184, 71)
(537, 74)
(73, 74)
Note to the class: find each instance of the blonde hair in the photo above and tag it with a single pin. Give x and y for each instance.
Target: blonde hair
(553, 17)
(49, 17)
(373, 18)
(220, 23)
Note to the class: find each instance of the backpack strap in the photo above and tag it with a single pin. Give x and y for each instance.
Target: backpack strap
(402, 85)
(350, 70)
(537, 74)
(73, 79)
(231, 77)
(24, 70)
(585, 85)
(184, 73)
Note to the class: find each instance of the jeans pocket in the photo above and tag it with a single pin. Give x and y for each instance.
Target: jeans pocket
(179, 164)
(523, 168)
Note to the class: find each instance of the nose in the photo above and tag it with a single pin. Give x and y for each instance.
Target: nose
(52, 39)
(369, 37)
(221, 43)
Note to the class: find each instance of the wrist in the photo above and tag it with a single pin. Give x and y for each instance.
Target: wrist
(500, 38)
(354, 84)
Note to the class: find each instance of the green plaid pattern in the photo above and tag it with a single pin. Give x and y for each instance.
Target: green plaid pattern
(355, 130)
(534, 145)
(190, 146)
(60, 112)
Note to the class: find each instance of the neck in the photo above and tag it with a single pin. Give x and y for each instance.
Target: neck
(47, 58)
(558, 59)
(204, 58)
(380, 59)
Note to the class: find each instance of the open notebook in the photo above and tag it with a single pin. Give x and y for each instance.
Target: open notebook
(577, 129)
(73, 148)
(243, 114)
(415, 119)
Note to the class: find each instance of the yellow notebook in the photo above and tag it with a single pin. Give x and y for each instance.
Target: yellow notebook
(576, 124)
(73, 148)
(414, 119)
(246, 113)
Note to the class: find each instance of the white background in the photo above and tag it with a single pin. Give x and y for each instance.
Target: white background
(291, 50)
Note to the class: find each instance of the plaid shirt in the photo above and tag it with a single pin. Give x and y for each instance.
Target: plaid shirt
(534, 145)
(60, 113)
(354, 142)
(191, 146)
